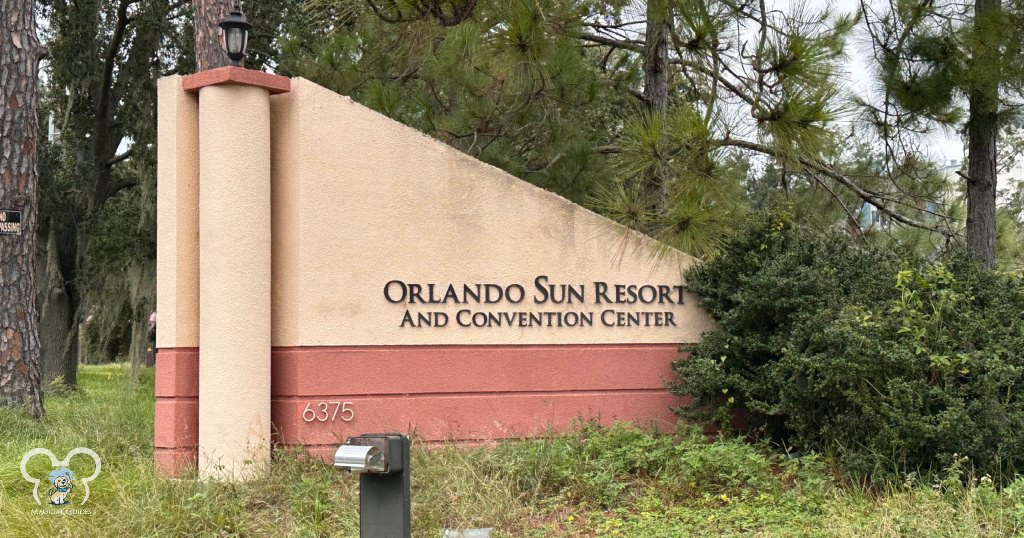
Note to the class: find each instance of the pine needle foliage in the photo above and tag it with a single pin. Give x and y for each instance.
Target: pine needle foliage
(552, 92)
(502, 81)
(557, 92)
(954, 65)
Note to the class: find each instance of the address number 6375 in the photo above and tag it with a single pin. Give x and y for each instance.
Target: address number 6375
(328, 411)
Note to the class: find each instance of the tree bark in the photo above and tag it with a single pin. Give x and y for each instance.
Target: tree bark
(210, 53)
(656, 57)
(57, 333)
(982, 132)
(143, 289)
(20, 52)
(656, 83)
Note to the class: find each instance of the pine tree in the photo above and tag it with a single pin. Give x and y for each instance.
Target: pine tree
(650, 112)
(209, 53)
(750, 84)
(20, 52)
(935, 57)
(499, 80)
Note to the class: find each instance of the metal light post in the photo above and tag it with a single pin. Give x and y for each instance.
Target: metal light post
(382, 461)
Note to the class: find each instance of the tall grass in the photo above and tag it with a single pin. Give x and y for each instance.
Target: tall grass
(619, 481)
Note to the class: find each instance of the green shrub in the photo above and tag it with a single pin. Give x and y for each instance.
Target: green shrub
(891, 362)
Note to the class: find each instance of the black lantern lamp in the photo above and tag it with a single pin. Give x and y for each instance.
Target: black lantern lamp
(236, 34)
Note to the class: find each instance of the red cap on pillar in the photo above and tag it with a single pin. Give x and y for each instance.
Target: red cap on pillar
(237, 75)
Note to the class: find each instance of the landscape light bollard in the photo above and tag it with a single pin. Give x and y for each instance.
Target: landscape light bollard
(382, 461)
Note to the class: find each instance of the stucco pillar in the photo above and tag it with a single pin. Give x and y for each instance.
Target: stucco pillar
(234, 270)
(176, 410)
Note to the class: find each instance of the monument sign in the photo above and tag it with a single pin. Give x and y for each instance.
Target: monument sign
(324, 271)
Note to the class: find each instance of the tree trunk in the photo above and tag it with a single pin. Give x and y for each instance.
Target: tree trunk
(981, 185)
(57, 300)
(656, 81)
(54, 313)
(210, 53)
(143, 291)
(982, 132)
(656, 57)
(20, 52)
(58, 331)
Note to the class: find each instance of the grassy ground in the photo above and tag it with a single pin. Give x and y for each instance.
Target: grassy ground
(595, 482)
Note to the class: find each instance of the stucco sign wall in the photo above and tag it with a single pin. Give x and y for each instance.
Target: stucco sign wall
(411, 287)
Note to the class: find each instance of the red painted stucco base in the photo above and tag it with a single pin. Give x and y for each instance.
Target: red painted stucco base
(436, 393)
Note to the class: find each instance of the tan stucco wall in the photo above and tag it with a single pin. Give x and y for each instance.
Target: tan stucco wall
(234, 287)
(360, 200)
(354, 201)
(177, 229)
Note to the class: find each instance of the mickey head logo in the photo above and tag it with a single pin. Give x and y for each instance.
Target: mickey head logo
(58, 464)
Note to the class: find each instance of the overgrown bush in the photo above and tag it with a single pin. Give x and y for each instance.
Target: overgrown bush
(890, 362)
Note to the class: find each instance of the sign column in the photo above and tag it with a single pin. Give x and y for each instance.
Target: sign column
(234, 269)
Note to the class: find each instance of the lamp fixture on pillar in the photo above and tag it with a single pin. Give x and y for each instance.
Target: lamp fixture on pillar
(236, 34)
